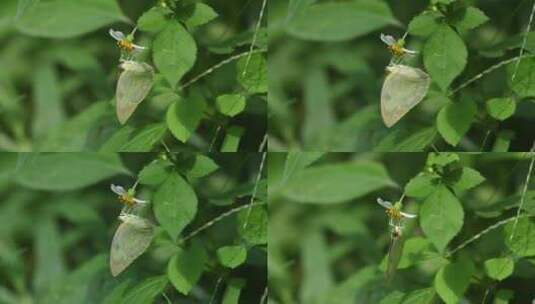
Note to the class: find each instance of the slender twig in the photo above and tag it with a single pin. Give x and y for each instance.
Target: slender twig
(214, 139)
(525, 40)
(485, 72)
(258, 176)
(522, 198)
(255, 36)
(218, 65)
(212, 298)
(264, 296)
(217, 219)
(263, 143)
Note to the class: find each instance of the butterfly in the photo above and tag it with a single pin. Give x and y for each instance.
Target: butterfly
(133, 86)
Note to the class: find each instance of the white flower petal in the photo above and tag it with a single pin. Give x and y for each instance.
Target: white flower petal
(408, 215)
(410, 52)
(117, 189)
(138, 47)
(389, 40)
(117, 35)
(139, 201)
(385, 204)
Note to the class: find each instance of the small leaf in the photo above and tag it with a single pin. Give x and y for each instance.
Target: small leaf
(501, 108)
(174, 53)
(469, 179)
(175, 204)
(146, 138)
(420, 296)
(444, 56)
(441, 217)
(523, 83)
(146, 291)
(153, 20)
(316, 267)
(454, 120)
(230, 104)
(499, 268)
(203, 166)
(424, 24)
(185, 268)
(154, 173)
(523, 241)
(202, 14)
(253, 225)
(452, 280)
(252, 73)
(232, 256)
(421, 185)
(231, 143)
(48, 108)
(470, 18)
(129, 242)
(183, 116)
(232, 293)
(442, 159)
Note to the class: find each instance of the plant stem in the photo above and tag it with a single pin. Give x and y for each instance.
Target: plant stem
(525, 40)
(522, 198)
(258, 176)
(255, 36)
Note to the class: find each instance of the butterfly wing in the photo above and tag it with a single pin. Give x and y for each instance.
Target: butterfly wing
(128, 243)
(133, 86)
(403, 89)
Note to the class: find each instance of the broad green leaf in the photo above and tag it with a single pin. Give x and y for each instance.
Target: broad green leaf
(48, 109)
(410, 141)
(252, 73)
(145, 139)
(185, 268)
(296, 6)
(231, 143)
(253, 225)
(444, 56)
(230, 104)
(232, 256)
(348, 290)
(153, 20)
(529, 202)
(337, 21)
(336, 183)
(117, 140)
(416, 250)
(232, 292)
(129, 242)
(201, 14)
(319, 116)
(184, 115)
(203, 166)
(154, 173)
(117, 293)
(424, 24)
(420, 296)
(499, 268)
(503, 296)
(441, 217)
(421, 185)
(395, 297)
(49, 266)
(455, 119)
(523, 241)
(317, 277)
(469, 18)
(66, 18)
(175, 204)
(452, 280)
(469, 179)
(442, 159)
(67, 171)
(174, 52)
(501, 108)
(523, 83)
(146, 291)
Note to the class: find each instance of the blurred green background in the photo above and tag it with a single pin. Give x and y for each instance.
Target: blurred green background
(59, 216)
(327, 66)
(56, 94)
(328, 236)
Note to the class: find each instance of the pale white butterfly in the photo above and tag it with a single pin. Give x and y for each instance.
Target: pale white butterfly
(133, 86)
(131, 239)
(403, 89)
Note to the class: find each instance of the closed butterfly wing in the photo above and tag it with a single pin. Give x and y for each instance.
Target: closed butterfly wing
(403, 89)
(133, 86)
(128, 243)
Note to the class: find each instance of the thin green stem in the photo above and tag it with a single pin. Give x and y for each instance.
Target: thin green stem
(524, 191)
(525, 40)
(253, 195)
(255, 36)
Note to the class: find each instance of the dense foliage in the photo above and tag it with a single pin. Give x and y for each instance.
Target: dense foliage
(329, 240)
(203, 85)
(327, 68)
(205, 227)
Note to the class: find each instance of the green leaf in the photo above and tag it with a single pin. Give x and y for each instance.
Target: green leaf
(146, 138)
(319, 117)
(174, 52)
(416, 250)
(394, 297)
(454, 120)
(337, 21)
(336, 183)
(232, 256)
(253, 225)
(452, 280)
(183, 116)
(424, 24)
(232, 293)
(499, 268)
(501, 108)
(402, 140)
(153, 20)
(441, 217)
(62, 171)
(185, 268)
(203, 166)
(231, 143)
(523, 83)
(523, 241)
(66, 18)
(420, 296)
(117, 140)
(175, 204)
(421, 185)
(469, 179)
(470, 18)
(444, 56)
(317, 277)
(348, 290)
(154, 173)
(230, 104)
(252, 73)
(201, 14)
(47, 98)
(442, 159)
(49, 266)
(146, 291)
(117, 293)
(503, 296)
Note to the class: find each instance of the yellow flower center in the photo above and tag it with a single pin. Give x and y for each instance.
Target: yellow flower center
(394, 214)
(125, 45)
(127, 200)
(396, 49)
